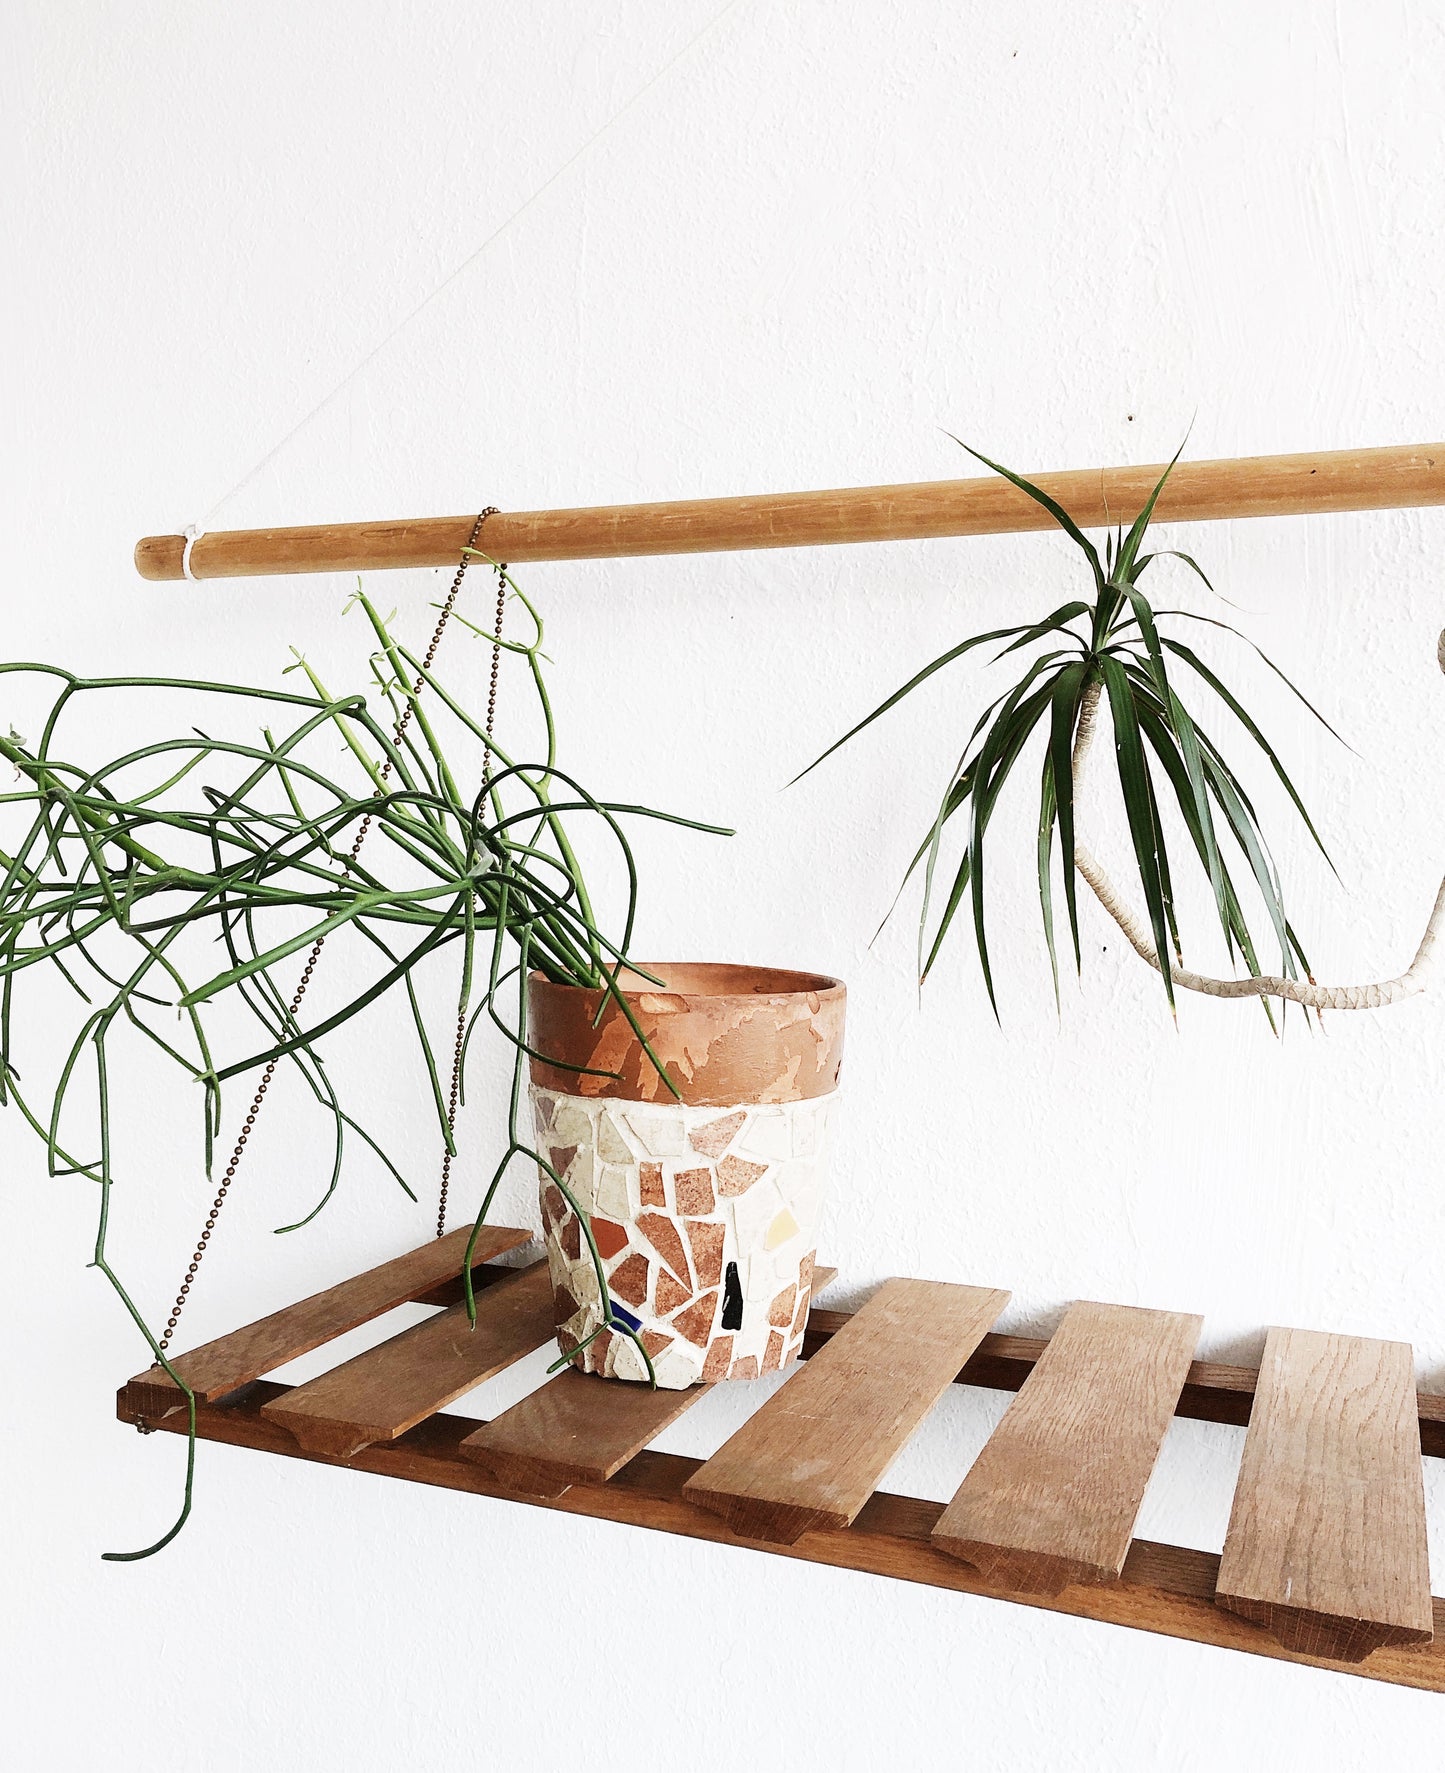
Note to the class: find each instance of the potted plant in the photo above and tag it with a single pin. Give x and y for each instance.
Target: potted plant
(1110, 649)
(202, 871)
(689, 1119)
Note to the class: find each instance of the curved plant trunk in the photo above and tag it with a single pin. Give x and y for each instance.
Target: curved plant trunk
(1310, 995)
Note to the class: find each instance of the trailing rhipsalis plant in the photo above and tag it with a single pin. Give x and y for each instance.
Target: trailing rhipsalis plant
(1112, 647)
(147, 898)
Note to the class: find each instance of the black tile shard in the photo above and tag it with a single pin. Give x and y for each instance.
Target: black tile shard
(732, 1311)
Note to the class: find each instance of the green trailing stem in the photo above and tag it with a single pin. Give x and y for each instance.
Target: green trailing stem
(200, 885)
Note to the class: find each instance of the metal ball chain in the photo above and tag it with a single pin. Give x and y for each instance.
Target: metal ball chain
(462, 1013)
(403, 722)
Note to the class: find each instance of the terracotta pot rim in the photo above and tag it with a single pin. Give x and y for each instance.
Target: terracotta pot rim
(722, 1033)
(769, 983)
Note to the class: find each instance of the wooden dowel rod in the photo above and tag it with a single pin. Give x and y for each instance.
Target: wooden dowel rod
(1249, 486)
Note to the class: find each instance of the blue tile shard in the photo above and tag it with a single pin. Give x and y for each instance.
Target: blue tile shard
(622, 1315)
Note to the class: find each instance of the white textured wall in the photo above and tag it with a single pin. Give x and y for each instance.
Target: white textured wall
(825, 233)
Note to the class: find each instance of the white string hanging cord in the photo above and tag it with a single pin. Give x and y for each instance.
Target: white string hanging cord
(193, 532)
(1313, 997)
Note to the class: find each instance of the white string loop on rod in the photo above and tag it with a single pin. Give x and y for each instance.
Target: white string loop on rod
(193, 533)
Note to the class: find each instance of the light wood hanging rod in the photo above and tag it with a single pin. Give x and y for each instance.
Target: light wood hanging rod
(1247, 486)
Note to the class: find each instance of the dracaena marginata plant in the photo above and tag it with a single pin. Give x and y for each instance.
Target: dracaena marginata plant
(200, 871)
(1111, 648)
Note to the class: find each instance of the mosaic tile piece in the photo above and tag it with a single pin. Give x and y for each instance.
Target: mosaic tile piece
(582, 1284)
(719, 1358)
(662, 1233)
(805, 1131)
(612, 1192)
(769, 1136)
(594, 1356)
(561, 1156)
(627, 1361)
(735, 1175)
(629, 1280)
(572, 1121)
(609, 1237)
(713, 1137)
(669, 1294)
(707, 1238)
(781, 1229)
(752, 1214)
(659, 1135)
(695, 1324)
(676, 1367)
(780, 1312)
(681, 1196)
(581, 1179)
(625, 1317)
(692, 1190)
(612, 1147)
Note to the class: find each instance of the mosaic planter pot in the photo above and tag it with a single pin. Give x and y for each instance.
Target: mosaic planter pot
(704, 1211)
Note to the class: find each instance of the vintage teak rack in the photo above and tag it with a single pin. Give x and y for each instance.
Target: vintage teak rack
(1324, 1561)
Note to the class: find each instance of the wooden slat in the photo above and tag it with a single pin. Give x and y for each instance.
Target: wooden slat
(813, 1454)
(1053, 1497)
(234, 1360)
(1326, 1543)
(580, 1428)
(389, 1389)
(1167, 1589)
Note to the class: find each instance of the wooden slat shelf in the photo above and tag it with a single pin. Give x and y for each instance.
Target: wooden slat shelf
(1324, 1563)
